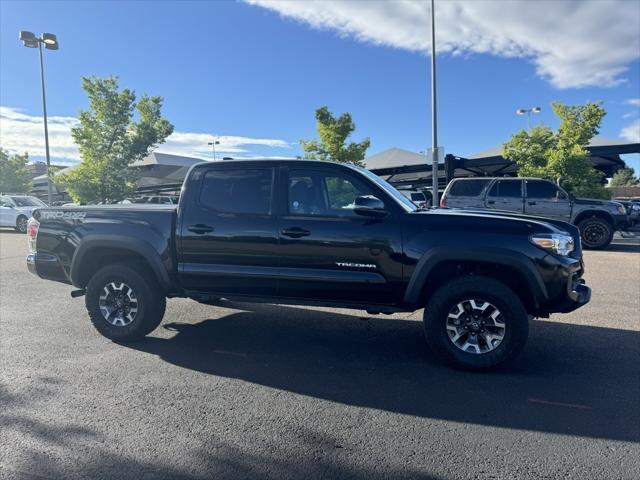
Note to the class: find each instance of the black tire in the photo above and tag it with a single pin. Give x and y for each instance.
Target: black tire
(596, 233)
(511, 312)
(21, 224)
(150, 302)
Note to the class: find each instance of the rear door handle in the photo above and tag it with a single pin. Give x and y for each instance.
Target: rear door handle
(200, 228)
(490, 202)
(295, 232)
(532, 203)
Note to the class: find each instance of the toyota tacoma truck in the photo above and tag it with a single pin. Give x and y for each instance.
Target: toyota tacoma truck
(314, 233)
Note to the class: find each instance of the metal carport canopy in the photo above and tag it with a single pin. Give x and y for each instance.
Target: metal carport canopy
(403, 167)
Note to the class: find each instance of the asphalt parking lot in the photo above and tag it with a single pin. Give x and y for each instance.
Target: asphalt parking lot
(246, 391)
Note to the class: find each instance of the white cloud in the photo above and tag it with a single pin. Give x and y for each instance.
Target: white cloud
(573, 44)
(633, 101)
(631, 132)
(20, 132)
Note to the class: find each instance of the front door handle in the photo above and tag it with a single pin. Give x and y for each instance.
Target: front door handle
(200, 228)
(532, 203)
(295, 232)
(490, 202)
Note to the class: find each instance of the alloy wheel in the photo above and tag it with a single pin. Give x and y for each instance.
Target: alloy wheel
(475, 326)
(594, 234)
(118, 304)
(22, 224)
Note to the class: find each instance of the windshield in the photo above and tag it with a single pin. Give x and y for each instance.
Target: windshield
(28, 202)
(404, 202)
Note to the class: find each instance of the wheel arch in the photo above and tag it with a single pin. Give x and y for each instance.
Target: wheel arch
(94, 253)
(606, 216)
(439, 265)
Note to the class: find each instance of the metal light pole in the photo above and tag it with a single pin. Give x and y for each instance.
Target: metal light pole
(528, 112)
(434, 114)
(50, 42)
(213, 144)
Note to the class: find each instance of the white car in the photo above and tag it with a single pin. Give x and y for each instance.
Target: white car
(417, 197)
(15, 210)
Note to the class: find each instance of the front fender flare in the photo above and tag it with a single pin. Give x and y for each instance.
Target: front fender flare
(494, 256)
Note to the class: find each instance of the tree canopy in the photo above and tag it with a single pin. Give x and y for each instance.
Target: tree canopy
(624, 178)
(14, 175)
(561, 155)
(110, 139)
(333, 133)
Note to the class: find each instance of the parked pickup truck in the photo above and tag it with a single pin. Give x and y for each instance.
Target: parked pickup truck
(597, 220)
(315, 233)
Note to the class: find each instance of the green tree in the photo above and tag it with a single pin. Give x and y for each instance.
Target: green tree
(110, 139)
(333, 133)
(561, 155)
(14, 175)
(625, 177)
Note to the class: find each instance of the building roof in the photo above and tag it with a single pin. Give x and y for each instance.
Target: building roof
(394, 157)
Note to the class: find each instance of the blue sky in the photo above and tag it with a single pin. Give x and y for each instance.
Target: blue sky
(253, 73)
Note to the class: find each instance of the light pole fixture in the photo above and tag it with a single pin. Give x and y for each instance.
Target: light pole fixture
(50, 42)
(213, 144)
(528, 112)
(434, 112)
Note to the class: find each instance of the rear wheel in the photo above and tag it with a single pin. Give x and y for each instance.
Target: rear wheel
(21, 224)
(595, 233)
(475, 323)
(124, 303)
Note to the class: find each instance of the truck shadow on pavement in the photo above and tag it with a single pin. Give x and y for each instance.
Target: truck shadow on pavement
(570, 380)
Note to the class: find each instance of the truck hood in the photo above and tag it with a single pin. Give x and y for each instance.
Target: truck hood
(595, 201)
(546, 224)
(554, 225)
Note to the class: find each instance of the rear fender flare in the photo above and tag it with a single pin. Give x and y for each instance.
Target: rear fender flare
(128, 244)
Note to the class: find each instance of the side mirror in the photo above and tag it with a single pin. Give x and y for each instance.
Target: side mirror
(369, 206)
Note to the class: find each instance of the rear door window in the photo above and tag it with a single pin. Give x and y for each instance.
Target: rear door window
(542, 190)
(468, 188)
(247, 191)
(507, 188)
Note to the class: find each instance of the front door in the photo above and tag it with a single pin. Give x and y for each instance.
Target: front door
(506, 195)
(545, 199)
(228, 232)
(328, 252)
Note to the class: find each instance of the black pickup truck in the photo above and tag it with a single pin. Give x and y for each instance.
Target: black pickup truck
(315, 233)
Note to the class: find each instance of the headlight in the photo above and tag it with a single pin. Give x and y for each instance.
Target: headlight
(635, 207)
(622, 210)
(558, 243)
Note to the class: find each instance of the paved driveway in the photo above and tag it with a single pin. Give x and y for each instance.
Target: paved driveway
(246, 391)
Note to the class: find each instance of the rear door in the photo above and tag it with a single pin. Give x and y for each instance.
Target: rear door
(506, 195)
(545, 199)
(228, 233)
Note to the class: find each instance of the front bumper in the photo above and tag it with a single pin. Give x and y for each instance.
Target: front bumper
(620, 221)
(575, 292)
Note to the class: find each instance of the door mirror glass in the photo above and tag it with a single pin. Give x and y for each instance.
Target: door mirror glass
(369, 206)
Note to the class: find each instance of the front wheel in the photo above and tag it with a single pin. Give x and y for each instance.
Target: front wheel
(475, 323)
(124, 303)
(595, 233)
